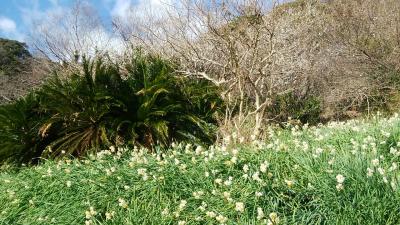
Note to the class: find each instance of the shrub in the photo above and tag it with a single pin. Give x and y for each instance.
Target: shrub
(307, 109)
(19, 128)
(100, 106)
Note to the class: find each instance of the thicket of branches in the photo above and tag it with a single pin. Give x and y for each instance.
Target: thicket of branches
(345, 53)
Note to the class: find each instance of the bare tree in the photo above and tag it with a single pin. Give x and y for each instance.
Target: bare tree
(74, 32)
(363, 49)
(244, 46)
(257, 49)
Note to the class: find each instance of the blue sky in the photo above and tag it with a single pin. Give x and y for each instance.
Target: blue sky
(17, 16)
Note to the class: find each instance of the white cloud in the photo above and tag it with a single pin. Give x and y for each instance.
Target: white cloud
(54, 2)
(142, 8)
(121, 8)
(56, 23)
(156, 7)
(98, 39)
(9, 28)
(7, 25)
(33, 15)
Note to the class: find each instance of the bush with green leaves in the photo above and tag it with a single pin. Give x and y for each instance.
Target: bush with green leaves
(100, 106)
(306, 109)
(20, 123)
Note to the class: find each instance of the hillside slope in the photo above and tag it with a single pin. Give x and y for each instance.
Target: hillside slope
(20, 72)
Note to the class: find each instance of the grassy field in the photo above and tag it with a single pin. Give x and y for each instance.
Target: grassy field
(339, 173)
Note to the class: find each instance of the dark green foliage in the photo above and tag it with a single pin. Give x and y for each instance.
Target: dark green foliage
(81, 106)
(100, 106)
(306, 109)
(170, 107)
(12, 56)
(200, 98)
(19, 130)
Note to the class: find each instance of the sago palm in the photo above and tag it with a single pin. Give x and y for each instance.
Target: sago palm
(82, 106)
(20, 123)
(148, 105)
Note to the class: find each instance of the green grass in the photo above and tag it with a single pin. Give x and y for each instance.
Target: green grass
(299, 183)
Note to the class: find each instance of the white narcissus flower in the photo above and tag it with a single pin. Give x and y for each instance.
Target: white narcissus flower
(198, 194)
(264, 166)
(273, 219)
(319, 151)
(370, 172)
(340, 178)
(49, 171)
(89, 213)
(198, 150)
(182, 167)
(229, 181)
(245, 168)
(393, 185)
(141, 171)
(259, 194)
(110, 215)
(239, 206)
(260, 213)
(393, 167)
(221, 219)
(92, 211)
(289, 183)
(165, 212)
(227, 196)
(256, 177)
(218, 181)
(211, 214)
(122, 203)
(182, 222)
(182, 204)
(176, 161)
(235, 151)
(381, 170)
